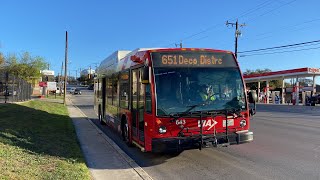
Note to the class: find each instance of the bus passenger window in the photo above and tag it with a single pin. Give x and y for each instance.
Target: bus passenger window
(115, 91)
(148, 102)
(109, 91)
(124, 90)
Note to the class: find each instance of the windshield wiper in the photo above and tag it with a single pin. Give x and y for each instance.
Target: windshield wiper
(179, 115)
(236, 111)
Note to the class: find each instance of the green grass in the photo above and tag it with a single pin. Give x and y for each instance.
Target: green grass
(38, 141)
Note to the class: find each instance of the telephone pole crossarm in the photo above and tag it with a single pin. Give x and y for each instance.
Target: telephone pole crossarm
(237, 34)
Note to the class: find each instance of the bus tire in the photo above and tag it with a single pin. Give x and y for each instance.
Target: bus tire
(100, 117)
(125, 131)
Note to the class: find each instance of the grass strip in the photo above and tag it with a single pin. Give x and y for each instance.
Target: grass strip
(38, 141)
(52, 96)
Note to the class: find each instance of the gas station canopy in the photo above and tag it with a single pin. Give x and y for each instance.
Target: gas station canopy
(281, 75)
(285, 74)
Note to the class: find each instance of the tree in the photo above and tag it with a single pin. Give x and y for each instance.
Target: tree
(257, 71)
(254, 85)
(84, 79)
(26, 66)
(2, 60)
(305, 82)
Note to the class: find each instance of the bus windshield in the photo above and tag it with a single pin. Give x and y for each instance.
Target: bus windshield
(177, 89)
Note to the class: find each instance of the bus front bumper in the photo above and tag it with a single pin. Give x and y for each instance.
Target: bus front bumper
(177, 144)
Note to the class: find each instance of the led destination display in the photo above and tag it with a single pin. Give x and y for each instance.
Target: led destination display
(193, 59)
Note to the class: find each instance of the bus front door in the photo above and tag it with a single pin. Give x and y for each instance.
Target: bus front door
(137, 106)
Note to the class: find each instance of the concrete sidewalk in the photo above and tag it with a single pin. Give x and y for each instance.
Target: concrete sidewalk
(104, 158)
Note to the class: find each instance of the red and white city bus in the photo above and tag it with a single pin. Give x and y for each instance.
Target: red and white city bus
(173, 99)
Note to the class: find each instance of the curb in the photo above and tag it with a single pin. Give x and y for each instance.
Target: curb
(129, 160)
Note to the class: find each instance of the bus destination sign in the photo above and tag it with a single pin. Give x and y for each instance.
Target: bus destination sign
(193, 59)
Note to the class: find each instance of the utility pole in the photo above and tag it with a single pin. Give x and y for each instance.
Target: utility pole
(180, 44)
(60, 79)
(237, 34)
(69, 77)
(80, 76)
(90, 73)
(76, 76)
(65, 69)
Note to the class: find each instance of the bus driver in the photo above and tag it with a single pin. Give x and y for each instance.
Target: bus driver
(206, 93)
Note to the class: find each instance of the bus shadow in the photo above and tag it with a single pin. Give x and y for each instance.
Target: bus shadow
(143, 159)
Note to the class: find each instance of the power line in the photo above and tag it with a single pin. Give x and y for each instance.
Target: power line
(195, 34)
(293, 30)
(294, 47)
(277, 47)
(285, 4)
(279, 52)
(262, 5)
(290, 26)
(252, 10)
(202, 37)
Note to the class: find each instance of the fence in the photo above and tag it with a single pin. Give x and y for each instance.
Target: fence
(13, 89)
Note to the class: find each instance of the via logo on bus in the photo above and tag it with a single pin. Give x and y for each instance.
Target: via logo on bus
(210, 123)
(207, 123)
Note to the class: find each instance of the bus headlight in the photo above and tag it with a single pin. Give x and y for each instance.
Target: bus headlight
(243, 123)
(162, 129)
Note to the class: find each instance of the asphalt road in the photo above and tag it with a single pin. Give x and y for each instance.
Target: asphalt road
(286, 146)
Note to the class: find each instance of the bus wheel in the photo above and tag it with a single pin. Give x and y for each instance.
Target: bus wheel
(125, 131)
(100, 117)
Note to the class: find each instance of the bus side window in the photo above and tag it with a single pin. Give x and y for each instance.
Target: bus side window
(97, 90)
(109, 91)
(148, 102)
(115, 91)
(95, 87)
(124, 89)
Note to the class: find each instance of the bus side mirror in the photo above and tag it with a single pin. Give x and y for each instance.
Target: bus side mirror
(252, 95)
(145, 75)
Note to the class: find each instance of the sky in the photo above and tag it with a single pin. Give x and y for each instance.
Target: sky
(97, 28)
